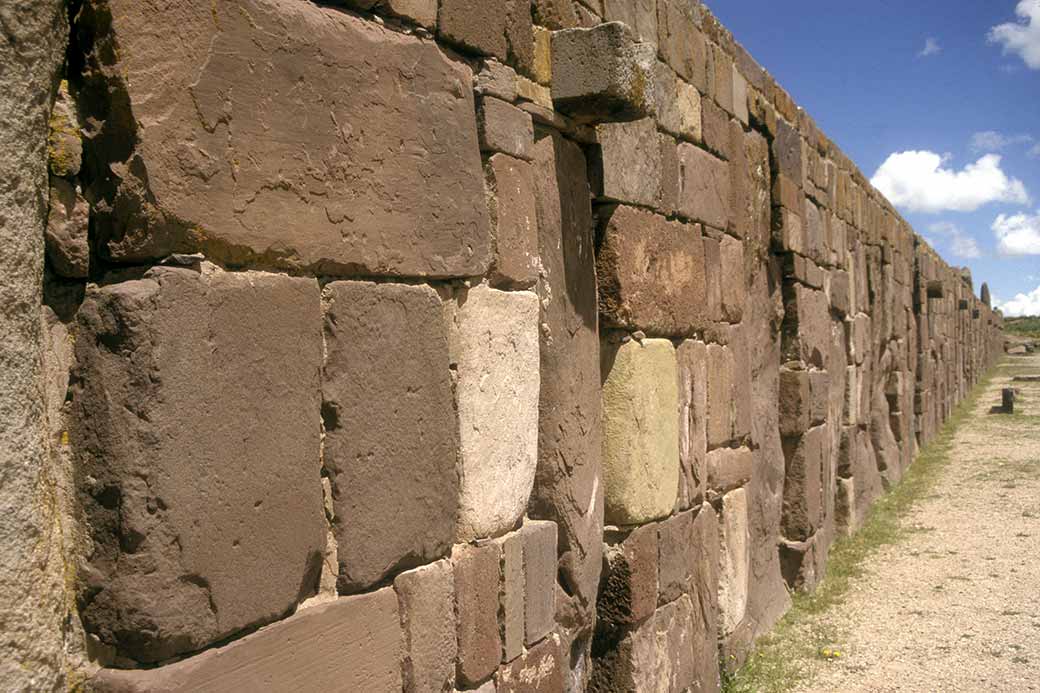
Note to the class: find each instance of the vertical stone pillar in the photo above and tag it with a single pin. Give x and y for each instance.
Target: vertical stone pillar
(31, 603)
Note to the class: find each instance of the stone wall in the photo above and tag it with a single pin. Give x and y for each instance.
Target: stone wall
(431, 346)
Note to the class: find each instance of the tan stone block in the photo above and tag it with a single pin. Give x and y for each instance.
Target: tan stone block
(728, 469)
(515, 219)
(629, 163)
(542, 69)
(477, 575)
(539, 543)
(426, 599)
(693, 415)
(704, 187)
(734, 561)
(740, 97)
(641, 437)
(733, 279)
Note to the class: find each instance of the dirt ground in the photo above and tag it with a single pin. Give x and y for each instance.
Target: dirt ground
(956, 606)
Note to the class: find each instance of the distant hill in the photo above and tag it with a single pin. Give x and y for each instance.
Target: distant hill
(1025, 327)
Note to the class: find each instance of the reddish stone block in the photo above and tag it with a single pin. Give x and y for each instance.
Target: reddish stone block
(542, 669)
(704, 187)
(693, 415)
(502, 28)
(650, 272)
(515, 215)
(426, 599)
(539, 551)
(720, 395)
(504, 128)
(628, 594)
(476, 598)
(803, 484)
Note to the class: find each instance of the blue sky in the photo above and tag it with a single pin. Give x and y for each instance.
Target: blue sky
(941, 99)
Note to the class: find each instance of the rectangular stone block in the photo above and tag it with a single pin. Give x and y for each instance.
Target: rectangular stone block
(795, 402)
(720, 395)
(352, 643)
(202, 524)
(651, 273)
(733, 279)
(669, 204)
(713, 276)
(705, 594)
(390, 455)
(515, 218)
(496, 79)
(628, 594)
(803, 483)
(542, 669)
(477, 575)
(740, 97)
(504, 128)
(728, 469)
(568, 485)
(640, 430)
(494, 343)
(421, 12)
(539, 552)
(603, 73)
(675, 556)
(502, 28)
(287, 189)
(806, 332)
(734, 561)
(678, 105)
(819, 395)
(720, 80)
(629, 164)
(511, 595)
(703, 187)
(426, 599)
(680, 43)
(715, 122)
(787, 153)
(693, 415)
(639, 15)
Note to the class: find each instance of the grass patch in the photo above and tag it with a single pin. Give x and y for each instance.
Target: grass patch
(790, 654)
(1025, 327)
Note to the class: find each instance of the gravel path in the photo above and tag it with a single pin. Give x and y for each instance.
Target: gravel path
(956, 606)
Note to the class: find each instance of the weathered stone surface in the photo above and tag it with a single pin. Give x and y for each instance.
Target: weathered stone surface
(681, 44)
(353, 643)
(628, 594)
(669, 175)
(504, 128)
(426, 599)
(806, 330)
(713, 275)
(733, 279)
(422, 12)
(715, 123)
(540, 670)
(515, 216)
(603, 73)
(390, 454)
(720, 78)
(640, 430)
(651, 273)
(539, 542)
(639, 15)
(803, 488)
(542, 67)
(629, 164)
(67, 222)
(203, 524)
(794, 404)
(568, 485)
(476, 605)
(676, 628)
(728, 469)
(693, 417)
(511, 595)
(735, 558)
(326, 192)
(555, 14)
(787, 152)
(703, 186)
(720, 395)
(678, 105)
(630, 664)
(675, 556)
(502, 28)
(32, 567)
(705, 593)
(740, 96)
(496, 79)
(495, 349)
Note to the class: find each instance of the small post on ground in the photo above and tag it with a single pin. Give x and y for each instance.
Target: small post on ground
(1008, 400)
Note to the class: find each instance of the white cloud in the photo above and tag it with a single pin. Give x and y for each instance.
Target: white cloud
(1034, 151)
(991, 141)
(961, 244)
(931, 47)
(1022, 37)
(1018, 234)
(919, 182)
(1022, 304)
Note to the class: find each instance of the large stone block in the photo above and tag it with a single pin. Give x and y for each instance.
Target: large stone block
(728, 470)
(678, 105)
(651, 273)
(806, 332)
(629, 591)
(795, 402)
(705, 592)
(495, 349)
(602, 73)
(539, 550)
(639, 15)
(352, 643)
(426, 599)
(389, 429)
(693, 416)
(504, 128)
(502, 28)
(734, 562)
(803, 485)
(251, 160)
(568, 485)
(476, 605)
(680, 42)
(196, 436)
(676, 552)
(721, 406)
(542, 669)
(640, 430)
(511, 595)
(515, 217)
(704, 182)
(733, 279)
(629, 165)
